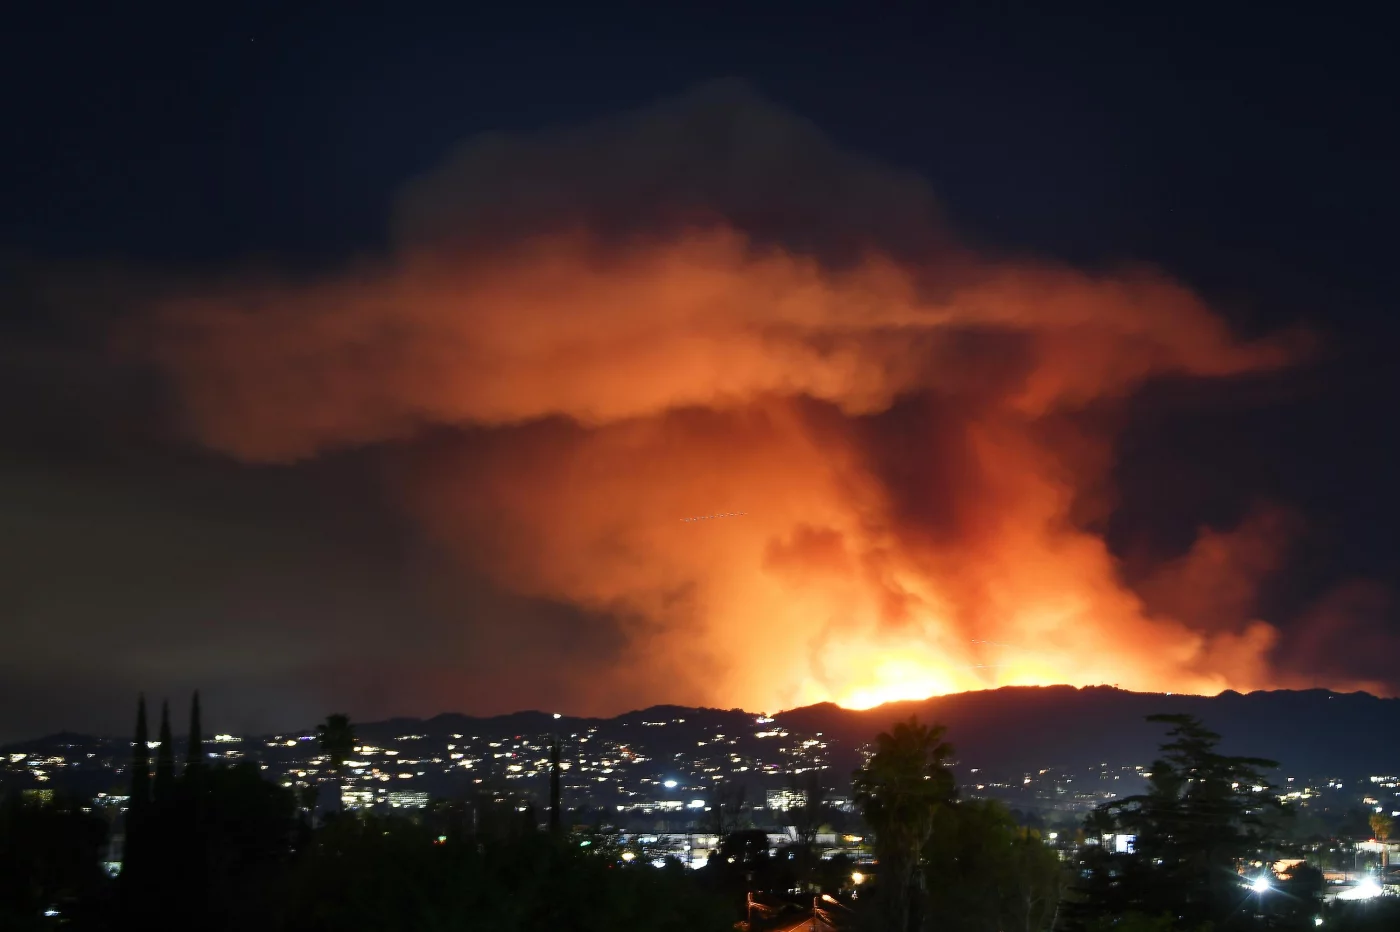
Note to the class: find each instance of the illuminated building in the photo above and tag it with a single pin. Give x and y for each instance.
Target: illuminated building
(408, 800)
(782, 800)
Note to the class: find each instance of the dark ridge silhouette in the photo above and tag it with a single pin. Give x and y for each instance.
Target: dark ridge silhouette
(1314, 732)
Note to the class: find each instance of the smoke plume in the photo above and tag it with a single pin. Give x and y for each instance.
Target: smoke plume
(585, 337)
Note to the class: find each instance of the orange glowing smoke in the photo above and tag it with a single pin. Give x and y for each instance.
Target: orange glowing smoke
(920, 443)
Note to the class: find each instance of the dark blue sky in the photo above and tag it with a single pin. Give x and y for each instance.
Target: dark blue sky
(1249, 151)
(1202, 139)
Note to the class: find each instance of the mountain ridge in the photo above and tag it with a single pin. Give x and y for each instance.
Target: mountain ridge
(1010, 729)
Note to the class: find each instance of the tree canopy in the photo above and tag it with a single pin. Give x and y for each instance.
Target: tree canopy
(900, 789)
(1201, 835)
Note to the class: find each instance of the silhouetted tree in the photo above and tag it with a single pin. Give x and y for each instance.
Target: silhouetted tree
(987, 874)
(726, 803)
(337, 738)
(165, 759)
(140, 760)
(742, 863)
(245, 835)
(806, 819)
(194, 758)
(899, 790)
(188, 830)
(307, 796)
(137, 825)
(809, 814)
(1302, 888)
(555, 767)
(1202, 816)
(389, 874)
(50, 859)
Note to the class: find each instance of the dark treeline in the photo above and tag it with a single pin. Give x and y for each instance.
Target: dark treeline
(219, 847)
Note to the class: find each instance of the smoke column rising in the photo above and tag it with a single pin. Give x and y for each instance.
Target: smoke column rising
(584, 337)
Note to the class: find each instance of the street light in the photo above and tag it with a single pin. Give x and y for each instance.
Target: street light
(1365, 890)
(820, 914)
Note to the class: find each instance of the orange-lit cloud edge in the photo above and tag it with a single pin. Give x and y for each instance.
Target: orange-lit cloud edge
(920, 448)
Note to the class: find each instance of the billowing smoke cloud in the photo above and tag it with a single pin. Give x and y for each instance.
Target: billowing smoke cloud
(583, 338)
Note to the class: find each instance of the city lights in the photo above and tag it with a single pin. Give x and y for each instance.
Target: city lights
(680, 779)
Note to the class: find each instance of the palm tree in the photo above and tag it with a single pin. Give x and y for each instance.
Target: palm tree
(1381, 825)
(337, 739)
(900, 790)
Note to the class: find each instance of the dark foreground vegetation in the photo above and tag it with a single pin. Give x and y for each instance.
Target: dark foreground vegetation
(221, 848)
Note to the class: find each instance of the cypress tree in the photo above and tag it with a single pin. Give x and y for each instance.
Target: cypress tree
(140, 759)
(192, 870)
(162, 861)
(337, 738)
(554, 787)
(195, 759)
(165, 759)
(139, 805)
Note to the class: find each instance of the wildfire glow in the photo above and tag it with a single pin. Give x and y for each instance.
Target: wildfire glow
(894, 679)
(920, 446)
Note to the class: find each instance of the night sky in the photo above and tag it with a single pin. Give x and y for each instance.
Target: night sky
(354, 359)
